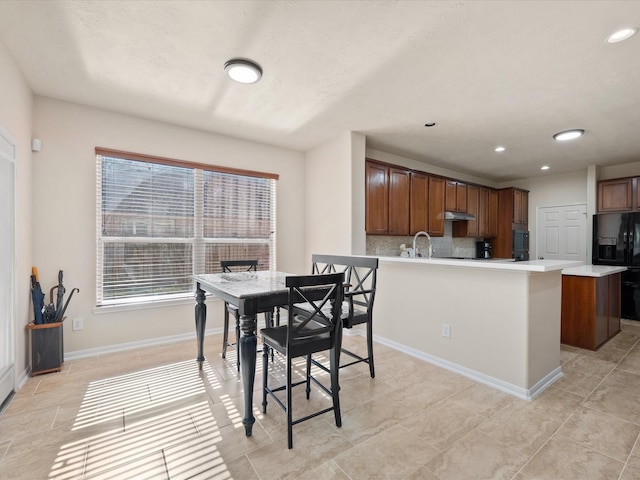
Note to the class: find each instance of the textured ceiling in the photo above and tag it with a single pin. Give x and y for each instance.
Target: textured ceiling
(506, 72)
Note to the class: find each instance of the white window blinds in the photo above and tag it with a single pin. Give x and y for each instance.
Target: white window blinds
(160, 222)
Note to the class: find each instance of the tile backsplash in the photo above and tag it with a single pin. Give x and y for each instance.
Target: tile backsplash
(445, 246)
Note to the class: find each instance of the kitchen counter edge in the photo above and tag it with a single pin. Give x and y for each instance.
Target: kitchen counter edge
(593, 270)
(526, 266)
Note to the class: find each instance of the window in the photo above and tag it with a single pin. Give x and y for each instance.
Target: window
(160, 221)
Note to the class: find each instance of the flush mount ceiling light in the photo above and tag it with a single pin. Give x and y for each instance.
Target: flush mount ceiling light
(568, 134)
(544, 167)
(621, 35)
(243, 71)
(500, 149)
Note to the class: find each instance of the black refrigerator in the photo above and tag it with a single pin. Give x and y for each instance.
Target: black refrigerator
(616, 241)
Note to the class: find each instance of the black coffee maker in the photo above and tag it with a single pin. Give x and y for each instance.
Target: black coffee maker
(483, 249)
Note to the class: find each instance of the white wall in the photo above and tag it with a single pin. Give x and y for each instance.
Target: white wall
(64, 210)
(358, 160)
(328, 205)
(16, 106)
(550, 191)
(619, 171)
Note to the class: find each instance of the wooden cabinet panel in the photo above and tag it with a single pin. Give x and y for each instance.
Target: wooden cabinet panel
(455, 196)
(377, 199)
(520, 207)
(419, 203)
(615, 303)
(487, 213)
(616, 195)
(483, 212)
(513, 208)
(493, 214)
(436, 206)
(469, 228)
(590, 313)
(399, 190)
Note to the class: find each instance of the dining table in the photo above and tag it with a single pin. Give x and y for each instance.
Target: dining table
(251, 293)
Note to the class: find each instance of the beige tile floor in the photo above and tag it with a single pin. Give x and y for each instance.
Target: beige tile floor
(149, 414)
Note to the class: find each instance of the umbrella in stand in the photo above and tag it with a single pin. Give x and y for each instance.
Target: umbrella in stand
(37, 296)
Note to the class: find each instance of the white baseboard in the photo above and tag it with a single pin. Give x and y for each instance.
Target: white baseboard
(525, 394)
(121, 347)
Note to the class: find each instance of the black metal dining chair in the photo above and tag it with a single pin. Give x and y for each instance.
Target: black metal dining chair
(315, 328)
(229, 266)
(360, 280)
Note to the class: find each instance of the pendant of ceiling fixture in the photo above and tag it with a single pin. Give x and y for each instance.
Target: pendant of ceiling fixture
(243, 71)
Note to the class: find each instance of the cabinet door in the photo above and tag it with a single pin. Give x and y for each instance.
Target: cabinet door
(436, 206)
(483, 212)
(377, 199)
(469, 228)
(615, 195)
(399, 190)
(520, 207)
(418, 208)
(493, 214)
(455, 196)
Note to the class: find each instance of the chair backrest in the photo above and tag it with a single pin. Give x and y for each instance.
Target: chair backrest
(229, 266)
(317, 301)
(360, 274)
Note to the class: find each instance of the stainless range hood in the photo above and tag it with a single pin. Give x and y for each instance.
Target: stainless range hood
(458, 216)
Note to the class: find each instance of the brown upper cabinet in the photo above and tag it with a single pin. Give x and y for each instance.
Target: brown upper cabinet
(387, 199)
(492, 230)
(469, 228)
(401, 201)
(419, 203)
(399, 196)
(436, 206)
(456, 196)
(618, 195)
(377, 199)
(520, 206)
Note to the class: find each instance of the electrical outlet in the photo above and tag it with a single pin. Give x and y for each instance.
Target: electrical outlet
(446, 330)
(77, 324)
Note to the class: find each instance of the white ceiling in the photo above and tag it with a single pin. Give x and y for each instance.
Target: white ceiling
(489, 73)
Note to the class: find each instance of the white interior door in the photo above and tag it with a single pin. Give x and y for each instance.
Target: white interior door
(562, 233)
(7, 266)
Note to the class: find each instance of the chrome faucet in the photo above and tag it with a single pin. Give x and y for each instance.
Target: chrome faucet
(415, 237)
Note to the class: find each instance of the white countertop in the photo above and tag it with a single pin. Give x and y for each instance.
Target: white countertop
(491, 264)
(593, 270)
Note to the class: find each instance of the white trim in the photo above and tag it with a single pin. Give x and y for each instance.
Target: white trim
(8, 377)
(509, 388)
(121, 347)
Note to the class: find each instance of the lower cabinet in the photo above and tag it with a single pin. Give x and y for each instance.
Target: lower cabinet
(590, 310)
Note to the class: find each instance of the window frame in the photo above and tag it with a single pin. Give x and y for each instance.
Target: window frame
(197, 241)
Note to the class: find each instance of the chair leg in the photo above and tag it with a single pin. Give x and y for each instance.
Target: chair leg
(265, 376)
(372, 370)
(289, 405)
(225, 339)
(334, 359)
(238, 340)
(308, 376)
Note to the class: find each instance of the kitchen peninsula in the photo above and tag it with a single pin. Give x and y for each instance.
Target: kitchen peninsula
(496, 321)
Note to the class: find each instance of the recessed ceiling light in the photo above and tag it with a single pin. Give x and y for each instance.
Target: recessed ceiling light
(243, 71)
(621, 35)
(544, 167)
(430, 124)
(500, 149)
(568, 134)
